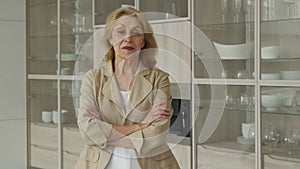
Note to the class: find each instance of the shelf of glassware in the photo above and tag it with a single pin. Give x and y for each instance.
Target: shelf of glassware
(155, 12)
(280, 115)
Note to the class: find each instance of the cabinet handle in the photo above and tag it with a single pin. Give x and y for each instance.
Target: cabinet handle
(30, 58)
(183, 120)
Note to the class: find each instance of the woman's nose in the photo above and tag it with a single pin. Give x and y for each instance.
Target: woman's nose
(128, 38)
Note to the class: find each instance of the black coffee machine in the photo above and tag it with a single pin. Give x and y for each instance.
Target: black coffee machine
(180, 120)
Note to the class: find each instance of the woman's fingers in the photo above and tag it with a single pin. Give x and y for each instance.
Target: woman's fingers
(94, 112)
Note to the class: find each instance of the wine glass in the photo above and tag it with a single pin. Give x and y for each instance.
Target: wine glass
(290, 4)
(236, 8)
(224, 6)
(248, 6)
(271, 137)
(291, 140)
(230, 102)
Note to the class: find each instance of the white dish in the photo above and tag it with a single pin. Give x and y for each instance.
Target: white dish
(47, 116)
(270, 76)
(271, 101)
(290, 75)
(64, 71)
(63, 116)
(238, 51)
(67, 57)
(270, 52)
(244, 141)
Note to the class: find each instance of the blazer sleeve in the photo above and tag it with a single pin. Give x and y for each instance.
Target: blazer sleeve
(152, 137)
(93, 131)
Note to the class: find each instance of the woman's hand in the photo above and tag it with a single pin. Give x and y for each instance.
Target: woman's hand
(94, 112)
(158, 110)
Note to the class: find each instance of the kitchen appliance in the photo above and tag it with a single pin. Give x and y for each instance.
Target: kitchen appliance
(180, 120)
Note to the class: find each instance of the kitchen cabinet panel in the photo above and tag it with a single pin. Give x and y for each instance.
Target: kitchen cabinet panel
(174, 49)
(13, 69)
(18, 7)
(13, 143)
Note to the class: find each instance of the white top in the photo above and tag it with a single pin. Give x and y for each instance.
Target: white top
(124, 158)
(125, 96)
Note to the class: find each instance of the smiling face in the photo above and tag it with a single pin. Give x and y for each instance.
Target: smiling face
(127, 37)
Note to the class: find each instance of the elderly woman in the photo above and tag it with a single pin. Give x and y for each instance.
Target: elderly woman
(125, 104)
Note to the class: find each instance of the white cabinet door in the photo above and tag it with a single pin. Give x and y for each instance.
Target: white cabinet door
(174, 49)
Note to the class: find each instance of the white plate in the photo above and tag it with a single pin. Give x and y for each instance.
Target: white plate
(290, 75)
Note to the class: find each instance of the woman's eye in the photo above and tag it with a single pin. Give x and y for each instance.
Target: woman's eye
(136, 33)
(120, 32)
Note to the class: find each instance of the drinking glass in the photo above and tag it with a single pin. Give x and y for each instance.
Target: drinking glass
(229, 101)
(289, 101)
(236, 8)
(271, 137)
(291, 140)
(224, 6)
(248, 6)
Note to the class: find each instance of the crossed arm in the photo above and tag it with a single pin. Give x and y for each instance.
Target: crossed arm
(118, 136)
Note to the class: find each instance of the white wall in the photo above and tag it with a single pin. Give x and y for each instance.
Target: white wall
(13, 84)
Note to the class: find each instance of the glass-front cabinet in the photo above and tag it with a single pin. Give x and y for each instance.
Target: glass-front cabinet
(223, 85)
(59, 46)
(234, 68)
(57, 30)
(279, 83)
(246, 87)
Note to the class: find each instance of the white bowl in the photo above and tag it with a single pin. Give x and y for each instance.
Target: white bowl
(270, 76)
(47, 116)
(270, 52)
(55, 116)
(64, 71)
(271, 101)
(290, 75)
(238, 51)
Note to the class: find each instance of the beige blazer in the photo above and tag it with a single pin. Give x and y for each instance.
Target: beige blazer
(99, 88)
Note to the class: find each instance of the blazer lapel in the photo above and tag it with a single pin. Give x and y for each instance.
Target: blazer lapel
(111, 89)
(140, 90)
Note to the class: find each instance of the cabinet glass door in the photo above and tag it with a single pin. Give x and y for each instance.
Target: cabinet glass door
(165, 9)
(280, 83)
(102, 8)
(43, 141)
(224, 85)
(71, 138)
(224, 126)
(230, 31)
(76, 30)
(57, 34)
(43, 37)
(280, 126)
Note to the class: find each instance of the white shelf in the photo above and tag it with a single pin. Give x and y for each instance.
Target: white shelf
(54, 77)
